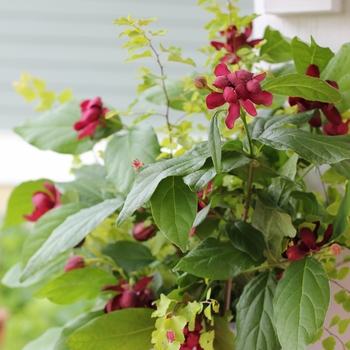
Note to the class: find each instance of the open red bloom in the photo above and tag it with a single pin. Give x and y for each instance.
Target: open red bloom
(234, 41)
(44, 201)
(306, 243)
(138, 296)
(239, 88)
(92, 113)
(328, 109)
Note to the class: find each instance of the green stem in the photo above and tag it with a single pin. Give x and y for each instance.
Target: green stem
(308, 169)
(244, 120)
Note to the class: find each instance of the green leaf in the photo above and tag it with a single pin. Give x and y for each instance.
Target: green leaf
(131, 256)
(44, 227)
(20, 202)
(337, 67)
(122, 329)
(149, 177)
(301, 302)
(70, 233)
(141, 143)
(54, 130)
(72, 326)
(224, 337)
(341, 296)
(46, 341)
(174, 208)
(304, 55)
(299, 85)
(342, 168)
(71, 286)
(89, 190)
(335, 320)
(136, 56)
(198, 179)
(347, 345)
(215, 260)
(214, 143)
(277, 48)
(309, 202)
(341, 221)
(177, 58)
(255, 325)
(313, 147)
(246, 238)
(12, 277)
(329, 343)
(343, 325)
(274, 225)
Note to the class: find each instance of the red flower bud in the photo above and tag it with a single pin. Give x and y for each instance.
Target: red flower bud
(200, 82)
(75, 262)
(335, 249)
(143, 233)
(128, 299)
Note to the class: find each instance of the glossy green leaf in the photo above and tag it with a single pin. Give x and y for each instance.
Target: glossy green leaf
(274, 225)
(224, 337)
(72, 326)
(46, 341)
(131, 256)
(260, 124)
(215, 260)
(277, 48)
(20, 202)
(71, 286)
(71, 232)
(149, 177)
(123, 330)
(300, 304)
(53, 130)
(44, 227)
(174, 208)
(246, 238)
(140, 142)
(341, 221)
(298, 85)
(313, 147)
(255, 325)
(304, 55)
(214, 142)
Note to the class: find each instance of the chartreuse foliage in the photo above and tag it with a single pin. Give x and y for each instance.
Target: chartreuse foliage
(219, 219)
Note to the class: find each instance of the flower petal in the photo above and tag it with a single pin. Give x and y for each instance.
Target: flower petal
(233, 114)
(253, 86)
(332, 114)
(221, 82)
(294, 253)
(215, 99)
(308, 237)
(259, 77)
(142, 284)
(89, 130)
(262, 98)
(230, 95)
(249, 107)
(217, 44)
(221, 69)
(242, 91)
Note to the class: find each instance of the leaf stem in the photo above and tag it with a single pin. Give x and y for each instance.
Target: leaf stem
(244, 120)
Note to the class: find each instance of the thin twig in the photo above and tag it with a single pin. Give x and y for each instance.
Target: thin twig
(335, 336)
(339, 285)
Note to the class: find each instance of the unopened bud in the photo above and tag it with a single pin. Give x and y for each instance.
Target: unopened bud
(142, 232)
(335, 249)
(136, 164)
(75, 262)
(200, 82)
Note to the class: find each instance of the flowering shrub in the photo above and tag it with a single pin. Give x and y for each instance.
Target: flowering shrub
(175, 237)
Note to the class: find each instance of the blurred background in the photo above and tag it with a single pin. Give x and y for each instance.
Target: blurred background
(74, 43)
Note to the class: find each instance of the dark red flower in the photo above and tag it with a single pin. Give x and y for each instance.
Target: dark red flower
(333, 130)
(328, 109)
(142, 232)
(192, 337)
(44, 201)
(92, 113)
(306, 242)
(138, 296)
(75, 262)
(239, 88)
(234, 41)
